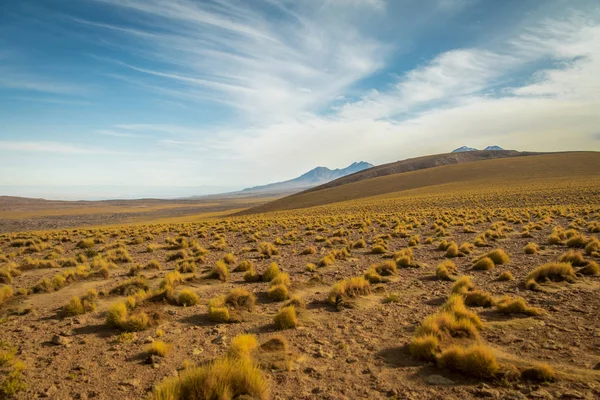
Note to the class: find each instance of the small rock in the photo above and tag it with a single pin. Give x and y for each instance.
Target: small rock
(487, 392)
(351, 360)
(152, 359)
(60, 341)
(572, 395)
(149, 340)
(219, 340)
(132, 383)
(196, 352)
(438, 380)
(597, 366)
(540, 394)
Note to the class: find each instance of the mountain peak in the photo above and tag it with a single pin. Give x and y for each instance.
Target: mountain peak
(466, 148)
(314, 177)
(463, 148)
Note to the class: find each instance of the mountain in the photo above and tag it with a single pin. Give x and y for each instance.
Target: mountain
(520, 168)
(494, 148)
(463, 149)
(312, 178)
(424, 162)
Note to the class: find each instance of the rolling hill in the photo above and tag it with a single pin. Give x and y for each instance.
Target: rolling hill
(413, 164)
(502, 171)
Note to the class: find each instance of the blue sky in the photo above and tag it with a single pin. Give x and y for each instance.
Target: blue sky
(127, 98)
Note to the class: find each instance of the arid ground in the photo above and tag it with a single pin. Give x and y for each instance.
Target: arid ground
(454, 289)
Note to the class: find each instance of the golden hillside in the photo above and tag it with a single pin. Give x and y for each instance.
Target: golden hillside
(506, 171)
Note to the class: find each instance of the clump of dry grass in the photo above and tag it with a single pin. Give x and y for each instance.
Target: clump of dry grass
(217, 310)
(240, 298)
(242, 346)
(227, 378)
(251, 275)
(278, 292)
(349, 288)
(446, 270)
(118, 317)
(267, 249)
(452, 250)
(404, 258)
(158, 348)
(550, 272)
(6, 292)
(592, 248)
(424, 347)
(229, 259)
(271, 272)
(379, 248)
(575, 258)
(479, 298)
(462, 285)
(187, 298)
(577, 240)
(498, 256)
(244, 266)
(531, 248)
(477, 360)
(131, 286)
(539, 373)
(81, 305)
(326, 261)
(372, 276)
(516, 305)
(590, 268)
(484, 264)
(309, 250)
(219, 272)
(385, 268)
(466, 248)
(286, 318)
(505, 276)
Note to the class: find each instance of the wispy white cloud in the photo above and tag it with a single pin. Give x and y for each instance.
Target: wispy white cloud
(119, 134)
(51, 147)
(267, 67)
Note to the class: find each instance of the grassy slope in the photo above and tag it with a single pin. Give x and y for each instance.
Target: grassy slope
(417, 163)
(550, 167)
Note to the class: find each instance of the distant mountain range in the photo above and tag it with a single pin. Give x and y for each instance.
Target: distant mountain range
(312, 178)
(465, 148)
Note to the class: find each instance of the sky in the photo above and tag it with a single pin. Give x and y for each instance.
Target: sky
(138, 98)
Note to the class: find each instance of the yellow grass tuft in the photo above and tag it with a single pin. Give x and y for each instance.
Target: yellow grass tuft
(477, 361)
(445, 270)
(505, 276)
(242, 346)
(187, 298)
(244, 265)
(240, 298)
(516, 305)
(219, 272)
(271, 272)
(286, 318)
(278, 292)
(463, 285)
(351, 287)
(479, 298)
(552, 271)
(224, 379)
(531, 248)
(424, 347)
(484, 264)
(539, 373)
(158, 348)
